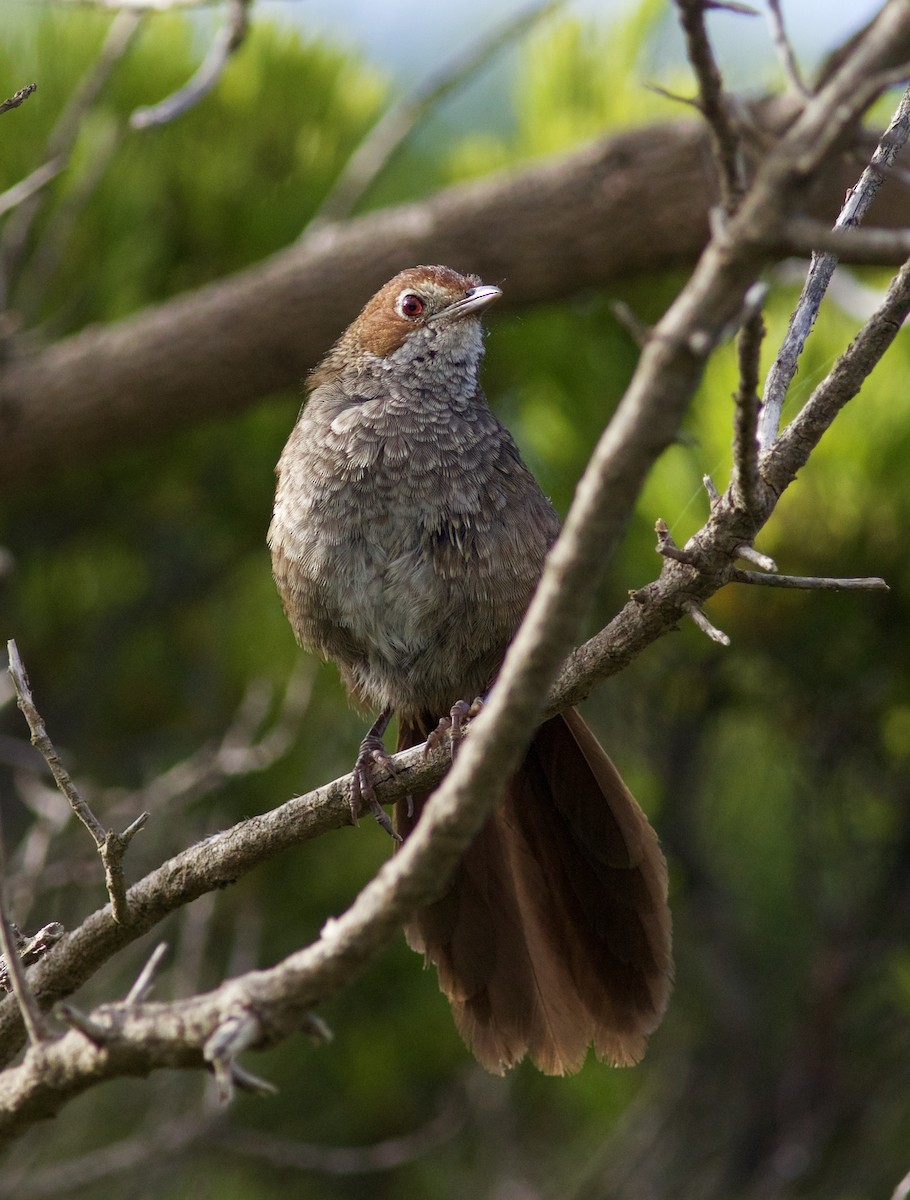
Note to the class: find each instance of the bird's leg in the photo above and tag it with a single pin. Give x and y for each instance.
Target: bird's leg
(454, 724)
(372, 754)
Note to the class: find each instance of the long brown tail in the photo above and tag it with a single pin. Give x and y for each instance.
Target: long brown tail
(555, 933)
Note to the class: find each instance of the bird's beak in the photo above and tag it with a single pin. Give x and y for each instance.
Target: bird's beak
(475, 300)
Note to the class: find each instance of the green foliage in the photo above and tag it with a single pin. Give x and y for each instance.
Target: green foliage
(578, 80)
(235, 179)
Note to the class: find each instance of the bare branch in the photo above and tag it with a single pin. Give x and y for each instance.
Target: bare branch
(120, 34)
(42, 742)
(19, 98)
(111, 846)
(698, 616)
(344, 1160)
(746, 402)
(630, 322)
(228, 39)
(724, 136)
(650, 410)
(264, 1006)
(752, 555)
(784, 49)
(795, 444)
(140, 988)
(32, 183)
(31, 947)
(820, 272)
(809, 582)
(10, 941)
(387, 136)
(865, 247)
(667, 547)
(245, 747)
(100, 1164)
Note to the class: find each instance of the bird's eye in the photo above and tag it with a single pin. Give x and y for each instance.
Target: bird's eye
(410, 305)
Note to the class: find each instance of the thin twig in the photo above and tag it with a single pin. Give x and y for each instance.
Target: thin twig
(667, 547)
(865, 247)
(676, 97)
(62, 223)
(809, 582)
(111, 846)
(784, 49)
(698, 616)
(139, 990)
(19, 98)
(228, 39)
(386, 137)
(32, 1017)
(746, 406)
(42, 742)
(820, 271)
(725, 139)
(750, 554)
(27, 187)
(791, 450)
(345, 1160)
(629, 320)
(62, 140)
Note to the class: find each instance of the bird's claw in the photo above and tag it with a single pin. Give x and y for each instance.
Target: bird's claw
(453, 726)
(372, 754)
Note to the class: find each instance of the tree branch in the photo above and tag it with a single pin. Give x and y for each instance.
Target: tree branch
(18, 98)
(226, 345)
(228, 39)
(262, 1007)
(392, 129)
(854, 209)
(110, 846)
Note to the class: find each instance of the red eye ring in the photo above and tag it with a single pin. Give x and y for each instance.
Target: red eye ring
(411, 305)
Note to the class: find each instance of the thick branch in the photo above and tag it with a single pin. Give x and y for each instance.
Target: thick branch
(264, 1006)
(258, 332)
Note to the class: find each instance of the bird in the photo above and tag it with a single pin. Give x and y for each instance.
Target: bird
(407, 539)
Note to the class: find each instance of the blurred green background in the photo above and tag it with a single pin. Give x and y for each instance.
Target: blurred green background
(138, 589)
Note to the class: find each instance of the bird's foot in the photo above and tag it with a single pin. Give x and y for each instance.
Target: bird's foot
(373, 755)
(453, 727)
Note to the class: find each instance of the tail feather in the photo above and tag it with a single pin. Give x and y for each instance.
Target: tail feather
(555, 932)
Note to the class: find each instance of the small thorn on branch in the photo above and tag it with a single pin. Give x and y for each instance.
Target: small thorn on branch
(713, 494)
(667, 547)
(140, 988)
(317, 1030)
(639, 331)
(750, 554)
(246, 1081)
(86, 1025)
(698, 616)
(676, 97)
(234, 1035)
